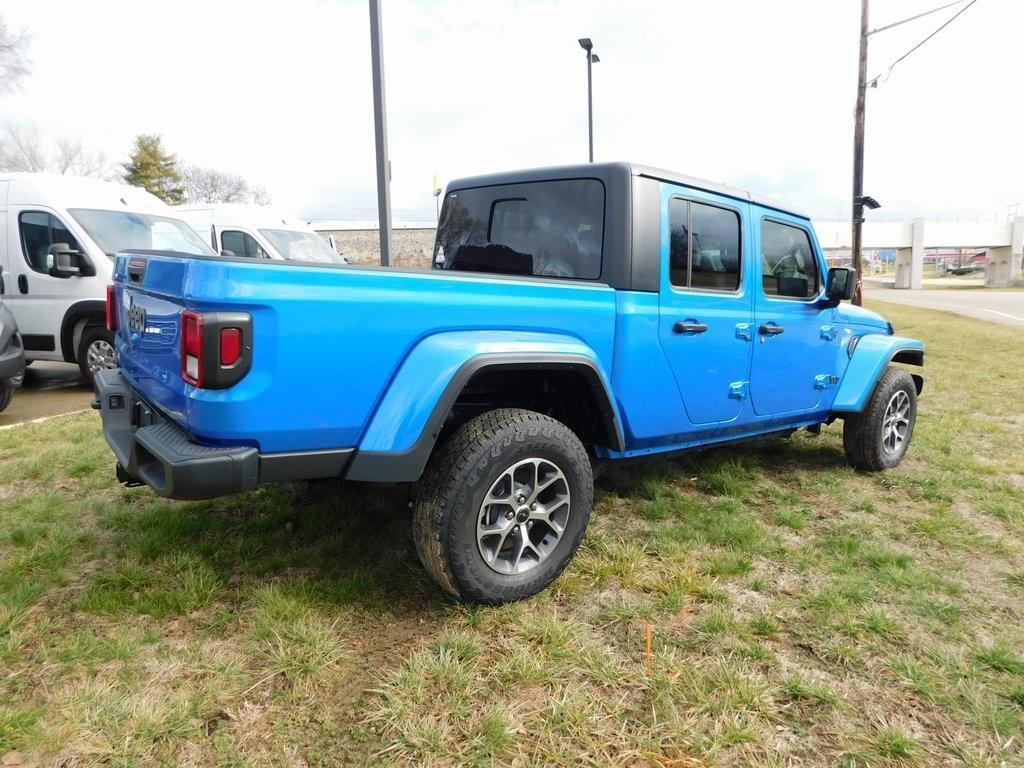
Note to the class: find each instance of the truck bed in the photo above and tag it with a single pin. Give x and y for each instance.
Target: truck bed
(327, 340)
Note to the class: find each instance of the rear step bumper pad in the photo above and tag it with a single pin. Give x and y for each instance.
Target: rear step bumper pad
(165, 458)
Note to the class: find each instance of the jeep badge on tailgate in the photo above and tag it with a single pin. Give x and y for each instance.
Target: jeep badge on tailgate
(136, 316)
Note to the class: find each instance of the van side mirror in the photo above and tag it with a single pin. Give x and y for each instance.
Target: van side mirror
(839, 285)
(63, 261)
(227, 254)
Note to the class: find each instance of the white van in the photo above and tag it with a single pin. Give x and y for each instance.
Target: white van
(257, 231)
(58, 236)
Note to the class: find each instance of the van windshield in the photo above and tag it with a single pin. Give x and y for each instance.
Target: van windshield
(115, 231)
(297, 245)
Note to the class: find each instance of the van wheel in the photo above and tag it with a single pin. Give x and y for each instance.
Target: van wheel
(878, 437)
(502, 506)
(95, 352)
(6, 393)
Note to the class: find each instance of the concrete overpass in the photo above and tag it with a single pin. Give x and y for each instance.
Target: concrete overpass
(1003, 243)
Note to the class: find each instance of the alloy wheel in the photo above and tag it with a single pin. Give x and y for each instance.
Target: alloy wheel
(523, 516)
(100, 356)
(896, 422)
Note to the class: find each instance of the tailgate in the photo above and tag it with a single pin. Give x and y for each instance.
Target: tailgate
(149, 295)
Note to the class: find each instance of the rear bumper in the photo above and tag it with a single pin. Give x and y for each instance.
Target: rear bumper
(153, 450)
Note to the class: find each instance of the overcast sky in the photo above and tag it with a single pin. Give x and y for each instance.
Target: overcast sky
(748, 92)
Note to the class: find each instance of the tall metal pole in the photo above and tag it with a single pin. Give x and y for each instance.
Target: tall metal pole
(380, 124)
(858, 155)
(590, 105)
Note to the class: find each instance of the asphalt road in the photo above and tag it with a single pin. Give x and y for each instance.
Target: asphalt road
(991, 305)
(50, 389)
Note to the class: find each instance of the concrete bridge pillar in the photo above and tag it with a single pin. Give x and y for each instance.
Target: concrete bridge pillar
(1003, 264)
(910, 261)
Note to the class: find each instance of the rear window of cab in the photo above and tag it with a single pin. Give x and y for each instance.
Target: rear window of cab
(543, 229)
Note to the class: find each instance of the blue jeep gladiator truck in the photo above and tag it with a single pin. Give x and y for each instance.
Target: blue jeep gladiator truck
(572, 316)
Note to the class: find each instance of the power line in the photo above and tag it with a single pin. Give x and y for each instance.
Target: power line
(933, 34)
(915, 18)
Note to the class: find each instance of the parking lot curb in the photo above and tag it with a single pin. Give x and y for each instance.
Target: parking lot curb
(42, 418)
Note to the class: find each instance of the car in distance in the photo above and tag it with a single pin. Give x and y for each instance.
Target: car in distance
(573, 315)
(258, 232)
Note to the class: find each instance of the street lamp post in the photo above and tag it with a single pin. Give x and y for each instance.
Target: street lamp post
(380, 124)
(592, 58)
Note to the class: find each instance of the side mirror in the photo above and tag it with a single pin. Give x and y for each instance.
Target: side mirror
(226, 253)
(839, 285)
(63, 261)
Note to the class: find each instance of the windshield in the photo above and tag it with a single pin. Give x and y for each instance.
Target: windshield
(296, 245)
(116, 231)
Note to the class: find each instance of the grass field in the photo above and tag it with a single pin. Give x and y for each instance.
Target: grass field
(802, 614)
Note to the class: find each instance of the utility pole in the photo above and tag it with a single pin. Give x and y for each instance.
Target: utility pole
(380, 123)
(858, 155)
(860, 200)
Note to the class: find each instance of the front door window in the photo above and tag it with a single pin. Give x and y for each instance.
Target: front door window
(39, 230)
(242, 244)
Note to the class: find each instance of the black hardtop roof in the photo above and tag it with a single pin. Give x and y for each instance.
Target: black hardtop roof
(618, 169)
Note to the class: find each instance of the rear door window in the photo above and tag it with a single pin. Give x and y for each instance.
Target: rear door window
(546, 229)
(704, 246)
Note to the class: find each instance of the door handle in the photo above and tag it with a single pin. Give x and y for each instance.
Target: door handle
(23, 283)
(770, 330)
(690, 327)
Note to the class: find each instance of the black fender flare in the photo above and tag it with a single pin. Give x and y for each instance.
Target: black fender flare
(407, 466)
(87, 309)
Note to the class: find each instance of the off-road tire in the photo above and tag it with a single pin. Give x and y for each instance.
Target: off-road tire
(863, 432)
(91, 333)
(6, 393)
(452, 489)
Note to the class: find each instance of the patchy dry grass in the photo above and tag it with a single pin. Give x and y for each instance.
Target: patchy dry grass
(803, 614)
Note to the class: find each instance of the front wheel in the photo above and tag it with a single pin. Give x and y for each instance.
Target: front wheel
(503, 505)
(95, 352)
(878, 437)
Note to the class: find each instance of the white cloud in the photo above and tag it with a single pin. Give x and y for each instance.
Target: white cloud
(752, 93)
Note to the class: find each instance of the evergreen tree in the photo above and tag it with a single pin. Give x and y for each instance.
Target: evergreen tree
(155, 170)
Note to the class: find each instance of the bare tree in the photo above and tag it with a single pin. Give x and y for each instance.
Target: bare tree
(14, 62)
(21, 149)
(260, 196)
(208, 185)
(74, 160)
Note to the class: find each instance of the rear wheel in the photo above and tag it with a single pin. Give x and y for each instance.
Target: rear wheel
(6, 393)
(95, 352)
(878, 437)
(503, 505)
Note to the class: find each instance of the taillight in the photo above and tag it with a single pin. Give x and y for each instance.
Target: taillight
(192, 348)
(111, 308)
(216, 348)
(230, 345)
